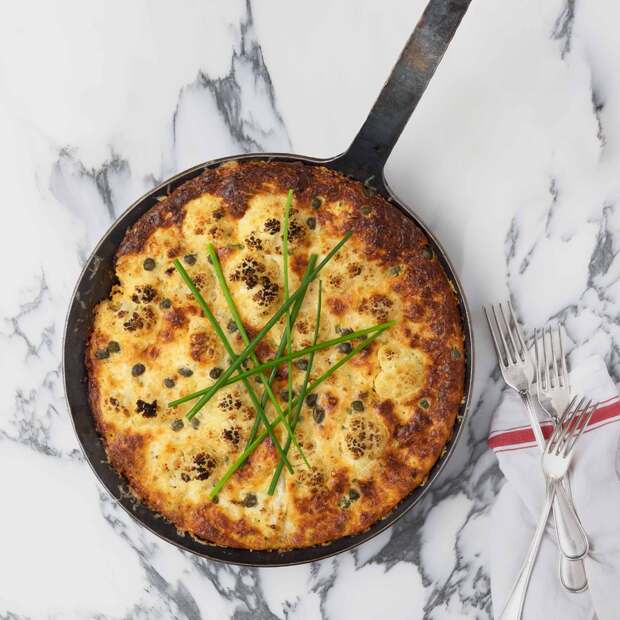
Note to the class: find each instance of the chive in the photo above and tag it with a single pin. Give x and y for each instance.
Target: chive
(222, 336)
(242, 458)
(282, 345)
(270, 323)
(278, 361)
(217, 267)
(289, 341)
(302, 395)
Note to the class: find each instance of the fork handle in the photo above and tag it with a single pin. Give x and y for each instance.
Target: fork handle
(534, 421)
(514, 605)
(572, 538)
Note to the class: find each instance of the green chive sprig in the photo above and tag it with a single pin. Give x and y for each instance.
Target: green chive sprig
(279, 361)
(243, 457)
(219, 274)
(261, 334)
(289, 340)
(222, 336)
(302, 395)
(282, 346)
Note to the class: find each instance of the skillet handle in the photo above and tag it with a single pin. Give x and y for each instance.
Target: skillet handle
(402, 91)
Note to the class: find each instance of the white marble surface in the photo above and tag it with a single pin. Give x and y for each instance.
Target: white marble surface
(513, 158)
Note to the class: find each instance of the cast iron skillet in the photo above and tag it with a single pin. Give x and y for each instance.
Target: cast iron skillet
(363, 161)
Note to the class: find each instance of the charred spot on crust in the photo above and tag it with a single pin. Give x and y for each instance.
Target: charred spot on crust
(313, 478)
(203, 465)
(228, 402)
(248, 272)
(377, 305)
(144, 294)
(253, 242)
(232, 435)
(148, 410)
(268, 292)
(336, 305)
(295, 232)
(272, 226)
(362, 438)
(176, 317)
(134, 323)
(354, 269)
(201, 346)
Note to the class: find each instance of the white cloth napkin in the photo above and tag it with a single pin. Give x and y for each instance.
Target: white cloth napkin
(595, 483)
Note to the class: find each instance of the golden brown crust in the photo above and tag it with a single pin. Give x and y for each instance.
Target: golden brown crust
(365, 459)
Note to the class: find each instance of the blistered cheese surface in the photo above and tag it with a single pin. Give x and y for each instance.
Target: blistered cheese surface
(379, 422)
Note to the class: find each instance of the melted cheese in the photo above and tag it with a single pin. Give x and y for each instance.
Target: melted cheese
(173, 464)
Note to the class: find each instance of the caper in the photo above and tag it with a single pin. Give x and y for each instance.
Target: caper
(455, 354)
(423, 402)
(345, 347)
(358, 405)
(353, 494)
(186, 372)
(176, 425)
(302, 364)
(195, 422)
(214, 373)
(216, 499)
(148, 264)
(395, 270)
(190, 259)
(185, 477)
(365, 210)
(427, 252)
(102, 354)
(284, 394)
(164, 304)
(311, 221)
(232, 326)
(168, 382)
(138, 369)
(315, 203)
(311, 399)
(113, 346)
(318, 413)
(249, 501)
(344, 502)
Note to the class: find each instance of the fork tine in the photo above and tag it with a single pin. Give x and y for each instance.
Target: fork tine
(546, 356)
(501, 355)
(554, 357)
(582, 422)
(514, 350)
(539, 384)
(568, 426)
(563, 371)
(509, 357)
(560, 423)
(518, 331)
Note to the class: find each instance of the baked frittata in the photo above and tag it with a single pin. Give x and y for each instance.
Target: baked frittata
(371, 432)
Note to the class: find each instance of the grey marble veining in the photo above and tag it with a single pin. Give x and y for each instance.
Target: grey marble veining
(512, 157)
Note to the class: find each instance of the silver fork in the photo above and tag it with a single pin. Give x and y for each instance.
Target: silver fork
(555, 462)
(517, 370)
(553, 390)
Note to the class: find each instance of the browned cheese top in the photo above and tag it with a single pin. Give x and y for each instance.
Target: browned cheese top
(365, 457)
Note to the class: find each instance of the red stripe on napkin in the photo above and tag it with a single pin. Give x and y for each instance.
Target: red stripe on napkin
(516, 438)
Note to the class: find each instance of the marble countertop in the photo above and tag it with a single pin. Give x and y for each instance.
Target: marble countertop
(512, 157)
